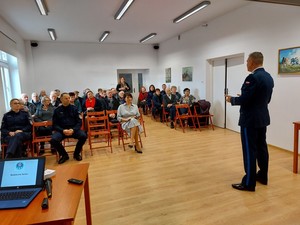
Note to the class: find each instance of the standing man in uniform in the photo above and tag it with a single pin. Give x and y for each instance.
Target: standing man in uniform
(254, 118)
(67, 124)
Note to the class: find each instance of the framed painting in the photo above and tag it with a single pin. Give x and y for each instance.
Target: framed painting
(187, 74)
(168, 75)
(288, 61)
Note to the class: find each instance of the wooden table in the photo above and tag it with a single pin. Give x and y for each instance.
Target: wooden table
(296, 144)
(63, 204)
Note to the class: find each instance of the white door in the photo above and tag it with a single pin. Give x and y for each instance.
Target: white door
(236, 74)
(225, 115)
(134, 80)
(218, 82)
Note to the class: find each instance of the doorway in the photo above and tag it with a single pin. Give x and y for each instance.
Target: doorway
(228, 75)
(135, 79)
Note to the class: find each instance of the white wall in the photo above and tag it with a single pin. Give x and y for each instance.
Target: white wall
(76, 66)
(255, 27)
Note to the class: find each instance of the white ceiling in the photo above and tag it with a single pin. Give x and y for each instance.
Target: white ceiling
(86, 20)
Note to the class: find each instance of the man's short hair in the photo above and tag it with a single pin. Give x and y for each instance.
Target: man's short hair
(257, 57)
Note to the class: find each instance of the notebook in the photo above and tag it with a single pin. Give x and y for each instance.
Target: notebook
(21, 180)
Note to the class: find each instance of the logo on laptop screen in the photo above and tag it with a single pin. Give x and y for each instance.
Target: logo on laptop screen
(19, 165)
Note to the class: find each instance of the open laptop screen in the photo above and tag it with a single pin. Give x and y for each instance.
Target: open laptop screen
(22, 173)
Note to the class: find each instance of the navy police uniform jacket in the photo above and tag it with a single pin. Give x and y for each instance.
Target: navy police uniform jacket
(13, 121)
(256, 94)
(66, 117)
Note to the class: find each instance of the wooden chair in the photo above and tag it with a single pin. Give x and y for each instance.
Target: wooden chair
(142, 122)
(98, 127)
(26, 144)
(114, 126)
(183, 118)
(203, 120)
(124, 135)
(36, 140)
(165, 116)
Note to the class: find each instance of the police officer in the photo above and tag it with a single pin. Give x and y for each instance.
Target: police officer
(254, 118)
(67, 123)
(15, 129)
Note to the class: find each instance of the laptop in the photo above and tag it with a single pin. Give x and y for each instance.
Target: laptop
(21, 179)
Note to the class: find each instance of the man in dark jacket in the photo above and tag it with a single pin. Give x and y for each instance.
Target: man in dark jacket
(254, 119)
(15, 129)
(169, 102)
(67, 123)
(157, 104)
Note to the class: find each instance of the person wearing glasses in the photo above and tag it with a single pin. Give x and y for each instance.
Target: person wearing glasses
(15, 129)
(44, 113)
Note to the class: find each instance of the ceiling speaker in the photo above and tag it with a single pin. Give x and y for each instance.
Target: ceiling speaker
(156, 47)
(34, 44)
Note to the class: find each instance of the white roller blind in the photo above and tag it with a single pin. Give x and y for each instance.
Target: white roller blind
(7, 44)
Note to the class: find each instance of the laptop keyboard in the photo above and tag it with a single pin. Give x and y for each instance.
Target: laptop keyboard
(16, 195)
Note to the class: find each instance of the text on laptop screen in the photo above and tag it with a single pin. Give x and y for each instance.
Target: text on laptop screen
(19, 173)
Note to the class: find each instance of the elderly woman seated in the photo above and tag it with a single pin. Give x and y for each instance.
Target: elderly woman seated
(44, 113)
(128, 115)
(187, 98)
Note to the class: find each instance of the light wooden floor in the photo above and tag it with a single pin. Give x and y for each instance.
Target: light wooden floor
(185, 178)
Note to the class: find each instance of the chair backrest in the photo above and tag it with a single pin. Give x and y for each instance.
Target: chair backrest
(182, 106)
(36, 125)
(99, 123)
(95, 114)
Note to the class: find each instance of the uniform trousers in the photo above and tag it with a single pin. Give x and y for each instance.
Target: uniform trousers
(58, 137)
(254, 149)
(15, 144)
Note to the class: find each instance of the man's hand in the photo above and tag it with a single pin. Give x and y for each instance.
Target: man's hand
(68, 132)
(228, 98)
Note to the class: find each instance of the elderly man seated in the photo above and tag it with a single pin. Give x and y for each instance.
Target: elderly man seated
(15, 129)
(169, 102)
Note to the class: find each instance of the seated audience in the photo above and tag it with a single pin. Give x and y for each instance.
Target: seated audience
(142, 99)
(31, 107)
(128, 114)
(35, 100)
(157, 104)
(122, 85)
(74, 101)
(54, 99)
(177, 94)
(121, 98)
(163, 89)
(99, 94)
(44, 113)
(111, 104)
(57, 94)
(80, 99)
(187, 98)
(15, 129)
(67, 124)
(169, 102)
(42, 94)
(92, 104)
(151, 92)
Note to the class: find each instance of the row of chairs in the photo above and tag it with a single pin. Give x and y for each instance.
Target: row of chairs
(196, 120)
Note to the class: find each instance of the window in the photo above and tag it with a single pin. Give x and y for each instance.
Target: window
(10, 81)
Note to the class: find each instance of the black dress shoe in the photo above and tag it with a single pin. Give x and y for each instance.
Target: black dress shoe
(241, 187)
(262, 181)
(77, 157)
(138, 151)
(172, 125)
(63, 159)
